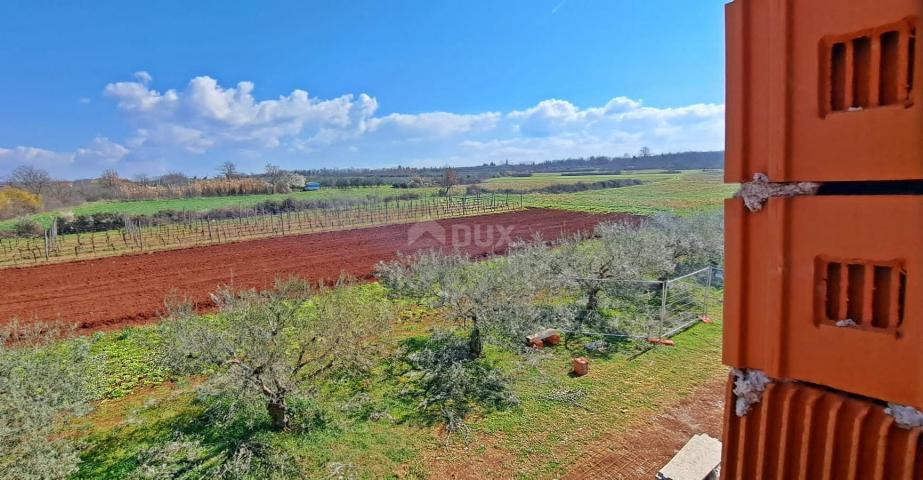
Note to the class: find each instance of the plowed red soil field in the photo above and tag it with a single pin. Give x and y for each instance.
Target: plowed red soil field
(112, 292)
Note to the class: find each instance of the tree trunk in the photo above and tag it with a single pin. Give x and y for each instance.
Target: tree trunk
(278, 412)
(475, 345)
(592, 303)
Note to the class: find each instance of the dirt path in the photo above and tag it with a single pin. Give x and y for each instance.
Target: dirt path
(117, 291)
(643, 451)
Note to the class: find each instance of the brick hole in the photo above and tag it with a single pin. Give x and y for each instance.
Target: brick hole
(838, 77)
(888, 87)
(901, 293)
(911, 59)
(881, 297)
(833, 290)
(854, 296)
(862, 66)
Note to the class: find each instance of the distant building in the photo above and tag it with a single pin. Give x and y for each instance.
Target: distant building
(311, 186)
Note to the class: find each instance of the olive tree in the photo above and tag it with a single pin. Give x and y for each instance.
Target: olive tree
(490, 297)
(696, 241)
(274, 344)
(623, 254)
(42, 386)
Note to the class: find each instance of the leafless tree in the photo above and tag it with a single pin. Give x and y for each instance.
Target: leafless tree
(142, 179)
(110, 178)
(277, 177)
(449, 179)
(30, 178)
(228, 170)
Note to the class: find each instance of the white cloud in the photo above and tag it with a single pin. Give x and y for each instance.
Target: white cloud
(32, 156)
(205, 123)
(99, 153)
(206, 115)
(438, 124)
(101, 150)
(144, 77)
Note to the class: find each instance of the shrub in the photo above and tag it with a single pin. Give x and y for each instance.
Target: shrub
(15, 202)
(42, 386)
(26, 227)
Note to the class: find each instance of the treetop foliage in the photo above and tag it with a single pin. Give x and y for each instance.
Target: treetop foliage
(270, 345)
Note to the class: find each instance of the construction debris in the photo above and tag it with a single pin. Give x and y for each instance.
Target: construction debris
(549, 336)
(661, 341)
(581, 366)
(699, 459)
(848, 322)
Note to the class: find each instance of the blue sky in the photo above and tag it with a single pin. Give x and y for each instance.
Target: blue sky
(170, 85)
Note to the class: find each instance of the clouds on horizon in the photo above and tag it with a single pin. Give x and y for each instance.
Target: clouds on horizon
(205, 123)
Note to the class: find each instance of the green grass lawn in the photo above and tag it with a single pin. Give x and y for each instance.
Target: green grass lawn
(537, 438)
(147, 207)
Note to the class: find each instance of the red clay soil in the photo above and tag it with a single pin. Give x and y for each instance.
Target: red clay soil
(112, 292)
(641, 453)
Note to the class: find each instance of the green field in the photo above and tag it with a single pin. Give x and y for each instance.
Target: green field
(197, 204)
(541, 180)
(536, 438)
(680, 194)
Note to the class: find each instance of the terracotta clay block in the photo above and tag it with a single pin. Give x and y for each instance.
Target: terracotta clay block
(804, 431)
(824, 90)
(581, 366)
(537, 343)
(662, 341)
(553, 340)
(828, 290)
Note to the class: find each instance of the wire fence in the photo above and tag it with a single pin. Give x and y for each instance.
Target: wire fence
(686, 300)
(654, 310)
(143, 235)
